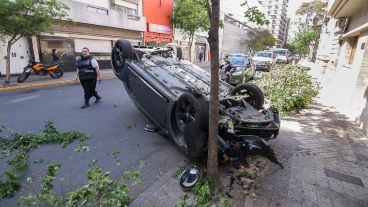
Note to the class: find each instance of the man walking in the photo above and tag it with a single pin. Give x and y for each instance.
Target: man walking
(88, 71)
(200, 56)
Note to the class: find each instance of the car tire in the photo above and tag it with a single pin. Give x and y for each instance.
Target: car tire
(255, 95)
(199, 105)
(121, 51)
(176, 49)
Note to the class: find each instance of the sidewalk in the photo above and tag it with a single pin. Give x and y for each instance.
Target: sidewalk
(38, 81)
(325, 158)
(68, 77)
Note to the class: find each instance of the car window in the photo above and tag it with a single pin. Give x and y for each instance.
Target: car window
(264, 54)
(237, 60)
(280, 52)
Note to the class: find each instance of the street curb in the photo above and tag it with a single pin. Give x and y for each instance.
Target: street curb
(156, 186)
(11, 88)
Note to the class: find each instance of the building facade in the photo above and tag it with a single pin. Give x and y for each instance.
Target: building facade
(235, 36)
(96, 24)
(158, 26)
(277, 12)
(343, 49)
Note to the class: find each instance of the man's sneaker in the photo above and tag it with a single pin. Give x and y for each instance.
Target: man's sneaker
(98, 98)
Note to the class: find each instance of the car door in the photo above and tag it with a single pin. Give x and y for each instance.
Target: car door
(147, 96)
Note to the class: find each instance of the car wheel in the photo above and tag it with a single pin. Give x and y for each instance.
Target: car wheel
(176, 49)
(120, 52)
(192, 108)
(190, 123)
(249, 92)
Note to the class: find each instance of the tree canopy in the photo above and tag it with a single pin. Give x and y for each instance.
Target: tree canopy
(21, 18)
(261, 40)
(26, 18)
(314, 9)
(255, 15)
(301, 44)
(190, 16)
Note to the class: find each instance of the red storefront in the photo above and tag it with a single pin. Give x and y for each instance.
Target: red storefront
(159, 30)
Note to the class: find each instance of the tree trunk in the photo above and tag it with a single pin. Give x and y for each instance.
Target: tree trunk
(315, 46)
(191, 37)
(213, 39)
(8, 50)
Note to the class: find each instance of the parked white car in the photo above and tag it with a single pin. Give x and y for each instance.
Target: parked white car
(264, 60)
(282, 55)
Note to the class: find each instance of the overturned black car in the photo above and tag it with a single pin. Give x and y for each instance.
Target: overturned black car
(173, 94)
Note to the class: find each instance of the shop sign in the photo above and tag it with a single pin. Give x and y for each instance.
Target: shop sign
(159, 28)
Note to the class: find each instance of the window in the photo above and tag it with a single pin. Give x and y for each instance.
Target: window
(97, 10)
(127, 10)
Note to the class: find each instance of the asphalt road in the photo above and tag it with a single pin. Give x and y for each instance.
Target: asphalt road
(106, 122)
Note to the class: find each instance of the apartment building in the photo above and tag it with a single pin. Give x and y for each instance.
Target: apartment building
(277, 12)
(96, 24)
(343, 50)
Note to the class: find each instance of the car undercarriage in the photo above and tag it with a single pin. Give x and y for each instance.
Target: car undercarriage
(173, 94)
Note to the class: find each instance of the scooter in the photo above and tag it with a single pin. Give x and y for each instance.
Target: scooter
(54, 70)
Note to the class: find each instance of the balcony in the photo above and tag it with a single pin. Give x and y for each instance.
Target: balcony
(89, 14)
(345, 8)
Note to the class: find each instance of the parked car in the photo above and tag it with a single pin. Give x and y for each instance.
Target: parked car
(243, 71)
(294, 58)
(264, 60)
(173, 94)
(282, 55)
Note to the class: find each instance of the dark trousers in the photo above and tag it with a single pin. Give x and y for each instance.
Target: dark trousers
(89, 87)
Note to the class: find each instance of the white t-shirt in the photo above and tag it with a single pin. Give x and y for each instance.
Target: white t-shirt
(94, 63)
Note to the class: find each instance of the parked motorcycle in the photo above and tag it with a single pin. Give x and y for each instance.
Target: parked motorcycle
(54, 70)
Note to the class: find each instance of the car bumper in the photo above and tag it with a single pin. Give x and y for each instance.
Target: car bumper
(263, 67)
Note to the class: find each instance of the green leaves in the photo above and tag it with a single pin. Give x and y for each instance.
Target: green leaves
(261, 40)
(46, 183)
(99, 191)
(289, 87)
(254, 15)
(203, 190)
(315, 8)
(30, 17)
(301, 44)
(190, 16)
(22, 144)
(82, 148)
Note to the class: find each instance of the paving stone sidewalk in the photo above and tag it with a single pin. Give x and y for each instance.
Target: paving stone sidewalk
(325, 163)
(325, 156)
